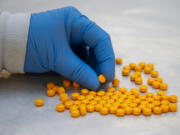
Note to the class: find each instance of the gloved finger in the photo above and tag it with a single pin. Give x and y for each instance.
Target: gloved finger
(73, 68)
(100, 41)
(89, 33)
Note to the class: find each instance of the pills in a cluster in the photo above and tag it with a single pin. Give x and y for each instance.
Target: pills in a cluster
(116, 100)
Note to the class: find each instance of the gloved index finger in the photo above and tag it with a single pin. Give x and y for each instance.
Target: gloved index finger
(100, 41)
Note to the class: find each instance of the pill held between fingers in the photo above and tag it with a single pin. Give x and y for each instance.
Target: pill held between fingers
(102, 78)
(39, 102)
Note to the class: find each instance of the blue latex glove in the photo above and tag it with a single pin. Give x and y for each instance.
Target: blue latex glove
(67, 42)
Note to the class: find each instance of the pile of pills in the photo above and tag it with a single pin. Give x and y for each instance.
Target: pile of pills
(116, 100)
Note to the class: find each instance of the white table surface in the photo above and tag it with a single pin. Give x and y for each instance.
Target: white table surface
(141, 30)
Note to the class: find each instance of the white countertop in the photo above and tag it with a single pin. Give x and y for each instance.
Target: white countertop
(141, 30)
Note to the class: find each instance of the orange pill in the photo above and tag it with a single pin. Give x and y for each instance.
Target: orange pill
(132, 77)
(68, 104)
(160, 93)
(81, 97)
(154, 73)
(142, 65)
(120, 112)
(132, 65)
(156, 84)
(61, 90)
(138, 68)
(73, 107)
(111, 89)
(150, 81)
(127, 67)
(66, 83)
(119, 61)
(101, 93)
(82, 111)
(50, 93)
(85, 101)
(77, 102)
(147, 70)
(128, 110)
(90, 97)
(147, 112)
(104, 111)
(150, 65)
(157, 110)
(60, 108)
(55, 88)
(102, 78)
(93, 93)
(173, 98)
(122, 89)
(39, 102)
(163, 86)
(90, 108)
(143, 88)
(138, 80)
(112, 109)
(149, 94)
(74, 95)
(84, 92)
(50, 85)
(136, 111)
(125, 72)
(98, 107)
(159, 79)
(157, 97)
(173, 107)
(115, 82)
(75, 113)
(137, 73)
(164, 102)
(165, 108)
(76, 85)
(164, 97)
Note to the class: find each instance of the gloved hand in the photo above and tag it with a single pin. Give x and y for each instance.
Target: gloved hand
(67, 42)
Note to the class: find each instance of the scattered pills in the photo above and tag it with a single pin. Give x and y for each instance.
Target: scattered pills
(117, 100)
